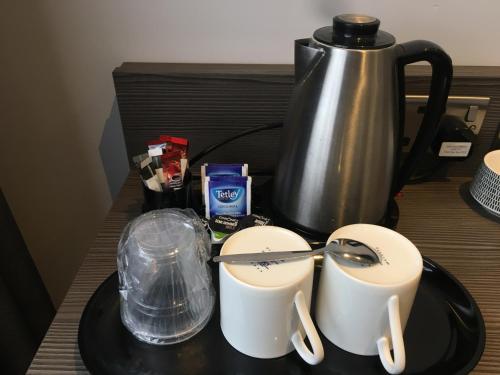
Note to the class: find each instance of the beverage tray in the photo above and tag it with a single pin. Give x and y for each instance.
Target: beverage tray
(445, 334)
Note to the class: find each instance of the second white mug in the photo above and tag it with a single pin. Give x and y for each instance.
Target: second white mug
(364, 310)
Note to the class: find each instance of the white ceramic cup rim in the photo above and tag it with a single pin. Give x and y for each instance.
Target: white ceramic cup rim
(372, 284)
(271, 289)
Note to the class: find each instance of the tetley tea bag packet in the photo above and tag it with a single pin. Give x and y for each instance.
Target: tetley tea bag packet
(215, 169)
(227, 195)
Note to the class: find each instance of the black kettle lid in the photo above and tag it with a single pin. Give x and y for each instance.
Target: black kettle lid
(354, 31)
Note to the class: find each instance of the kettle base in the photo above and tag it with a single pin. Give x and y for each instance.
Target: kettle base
(390, 220)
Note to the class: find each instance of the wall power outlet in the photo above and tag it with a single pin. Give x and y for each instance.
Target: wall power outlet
(470, 109)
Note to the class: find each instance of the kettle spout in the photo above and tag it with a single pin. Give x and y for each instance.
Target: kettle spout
(305, 56)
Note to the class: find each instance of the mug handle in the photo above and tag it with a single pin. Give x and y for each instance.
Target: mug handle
(396, 365)
(298, 341)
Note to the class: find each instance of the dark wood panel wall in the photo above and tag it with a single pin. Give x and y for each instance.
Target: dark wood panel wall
(208, 102)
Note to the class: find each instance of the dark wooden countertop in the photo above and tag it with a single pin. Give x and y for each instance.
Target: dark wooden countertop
(432, 215)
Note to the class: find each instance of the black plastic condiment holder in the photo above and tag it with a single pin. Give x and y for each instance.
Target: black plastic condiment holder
(169, 198)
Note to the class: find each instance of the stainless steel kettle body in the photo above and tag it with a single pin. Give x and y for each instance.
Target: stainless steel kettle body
(340, 143)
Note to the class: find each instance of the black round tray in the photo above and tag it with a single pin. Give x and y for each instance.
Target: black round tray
(445, 334)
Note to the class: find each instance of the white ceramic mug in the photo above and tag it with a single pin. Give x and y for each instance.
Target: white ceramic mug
(364, 310)
(265, 306)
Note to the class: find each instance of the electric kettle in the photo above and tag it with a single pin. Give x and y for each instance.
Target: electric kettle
(341, 142)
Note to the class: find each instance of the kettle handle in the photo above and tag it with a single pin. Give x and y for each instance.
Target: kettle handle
(442, 72)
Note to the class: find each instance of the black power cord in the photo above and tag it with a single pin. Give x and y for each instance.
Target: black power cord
(451, 129)
(421, 176)
(418, 177)
(209, 149)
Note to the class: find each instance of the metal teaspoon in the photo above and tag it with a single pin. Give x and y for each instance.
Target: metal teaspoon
(346, 249)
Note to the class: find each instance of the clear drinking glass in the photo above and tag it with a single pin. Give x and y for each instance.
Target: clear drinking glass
(166, 292)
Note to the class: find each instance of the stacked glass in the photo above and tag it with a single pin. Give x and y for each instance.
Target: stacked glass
(166, 292)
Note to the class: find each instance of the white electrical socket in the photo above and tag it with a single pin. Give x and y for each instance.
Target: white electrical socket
(470, 109)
